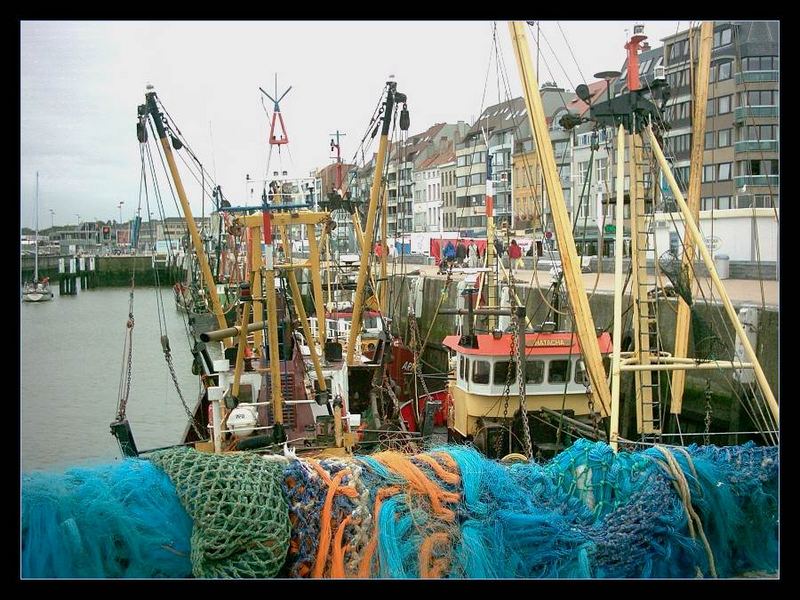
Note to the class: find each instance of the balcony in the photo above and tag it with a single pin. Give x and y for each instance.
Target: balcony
(742, 113)
(756, 76)
(757, 180)
(757, 146)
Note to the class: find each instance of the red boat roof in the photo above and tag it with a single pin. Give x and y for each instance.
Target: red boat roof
(535, 344)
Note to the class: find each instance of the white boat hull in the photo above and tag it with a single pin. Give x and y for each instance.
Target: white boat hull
(37, 296)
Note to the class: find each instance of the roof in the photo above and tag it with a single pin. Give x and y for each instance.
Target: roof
(538, 344)
(499, 116)
(441, 158)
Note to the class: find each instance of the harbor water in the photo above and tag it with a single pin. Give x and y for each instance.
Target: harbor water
(71, 365)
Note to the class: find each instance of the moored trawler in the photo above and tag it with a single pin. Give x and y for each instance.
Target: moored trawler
(555, 384)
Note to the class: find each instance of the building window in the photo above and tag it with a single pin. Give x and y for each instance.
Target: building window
(765, 201)
(759, 98)
(723, 37)
(681, 176)
(705, 204)
(724, 105)
(759, 132)
(724, 203)
(770, 63)
(724, 71)
(723, 138)
(710, 107)
(758, 167)
(724, 172)
(675, 242)
(709, 141)
(476, 179)
(708, 173)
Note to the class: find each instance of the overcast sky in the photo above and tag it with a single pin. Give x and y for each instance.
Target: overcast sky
(82, 81)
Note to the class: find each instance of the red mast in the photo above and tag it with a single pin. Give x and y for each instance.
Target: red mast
(633, 46)
(338, 158)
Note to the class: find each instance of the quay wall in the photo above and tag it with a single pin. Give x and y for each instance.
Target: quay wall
(712, 318)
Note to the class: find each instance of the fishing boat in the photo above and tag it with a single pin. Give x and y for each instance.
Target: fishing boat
(262, 493)
(37, 290)
(280, 375)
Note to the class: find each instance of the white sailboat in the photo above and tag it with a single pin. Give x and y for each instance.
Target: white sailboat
(36, 290)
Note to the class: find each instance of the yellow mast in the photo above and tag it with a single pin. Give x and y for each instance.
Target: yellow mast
(584, 323)
(152, 108)
(358, 300)
(384, 284)
(693, 202)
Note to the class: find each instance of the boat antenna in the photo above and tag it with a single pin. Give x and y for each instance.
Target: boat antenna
(276, 115)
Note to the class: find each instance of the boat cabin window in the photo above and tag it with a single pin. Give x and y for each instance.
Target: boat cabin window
(581, 375)
(534, 371)
(501, 372)
(480, 371)
(462, 367)
(559, 371)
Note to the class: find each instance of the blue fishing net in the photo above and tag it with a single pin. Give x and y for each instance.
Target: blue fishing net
(118, 520)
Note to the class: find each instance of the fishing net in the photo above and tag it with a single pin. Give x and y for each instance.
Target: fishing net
(118, 520)
(678, 274)
(241, 521)
(452, 513)
(446, 513)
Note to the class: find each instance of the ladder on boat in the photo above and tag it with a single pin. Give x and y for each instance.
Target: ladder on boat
(645, 317)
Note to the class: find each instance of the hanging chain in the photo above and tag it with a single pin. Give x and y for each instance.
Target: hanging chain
(168, 358)
(709, 412)
(123, 401)
(590, 404)
(520, 333)
(506, 393)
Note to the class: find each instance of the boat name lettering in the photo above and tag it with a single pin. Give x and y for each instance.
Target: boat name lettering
(554, 342)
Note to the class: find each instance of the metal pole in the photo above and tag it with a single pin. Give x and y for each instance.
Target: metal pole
(617, 341)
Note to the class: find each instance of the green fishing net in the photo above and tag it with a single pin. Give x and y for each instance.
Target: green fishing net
(241, 517)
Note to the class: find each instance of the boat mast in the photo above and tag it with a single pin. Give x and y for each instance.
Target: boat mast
(693, 202)
(392, 96)
(492, 261)
(616, 356)
(584, 323)
(36, 238)
(152, 109)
